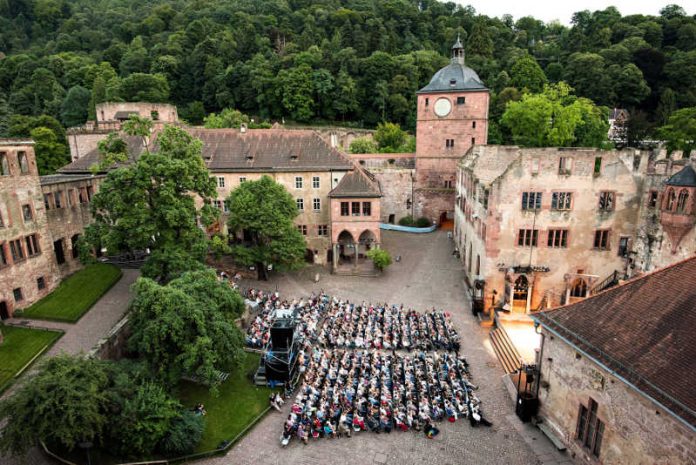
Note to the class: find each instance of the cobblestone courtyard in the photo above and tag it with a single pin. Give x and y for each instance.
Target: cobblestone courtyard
(427, 276)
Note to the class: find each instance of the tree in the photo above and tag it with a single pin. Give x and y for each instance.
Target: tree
(345, 101)
(527, 74)
(181, 331)
(380, 258)
(75, 105)
(555, 117)
(64, 403)
(50, 153)
(141, 87)
(362, 145)
(265, 211)
(680, 131)
(389, 137)
(185, 432)
(295, 91)
(228, 118)
(150, 204)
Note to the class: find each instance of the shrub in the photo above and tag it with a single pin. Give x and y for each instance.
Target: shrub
(423, 222)
(362, 145)
(184, 435)
(406, 221)
(380, 257)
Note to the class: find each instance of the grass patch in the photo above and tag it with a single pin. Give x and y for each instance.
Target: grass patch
(20, 345)
(74, 296)
(239, 401)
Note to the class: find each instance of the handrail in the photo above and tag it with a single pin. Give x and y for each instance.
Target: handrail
(606, 283)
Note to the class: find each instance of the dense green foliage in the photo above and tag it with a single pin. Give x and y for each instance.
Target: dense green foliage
(309, 60)
(117, 406)
(75, 295)
(148, 205)
(186, 328)
(265, 211)
(680, 131)
(380, 258)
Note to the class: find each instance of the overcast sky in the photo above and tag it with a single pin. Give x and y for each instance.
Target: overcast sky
(562, 10)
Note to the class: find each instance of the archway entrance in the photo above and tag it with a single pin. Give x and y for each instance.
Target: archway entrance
(445, 222)
(366, 241)
(520, 294)
(4, 312)
(309, 256)
(346, 248)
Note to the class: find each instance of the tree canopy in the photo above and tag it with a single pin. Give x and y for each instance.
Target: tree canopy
(680, 131)
(264, 211)
(151, 204)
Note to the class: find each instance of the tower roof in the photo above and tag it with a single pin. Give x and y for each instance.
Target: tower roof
(457, 44)
(686, 177)
(454, 77)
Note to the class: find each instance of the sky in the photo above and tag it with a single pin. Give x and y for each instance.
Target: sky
(562, 10)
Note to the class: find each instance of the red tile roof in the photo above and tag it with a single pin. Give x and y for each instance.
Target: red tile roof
(644, 330)
(357, 183)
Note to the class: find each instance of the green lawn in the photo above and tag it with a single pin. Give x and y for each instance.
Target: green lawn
(239, 401)
(20, 345)
(76, 294)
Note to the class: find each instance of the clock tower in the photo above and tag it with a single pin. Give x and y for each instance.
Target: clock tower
(452, 116)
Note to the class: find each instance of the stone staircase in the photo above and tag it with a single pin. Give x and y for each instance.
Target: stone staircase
(505, 350)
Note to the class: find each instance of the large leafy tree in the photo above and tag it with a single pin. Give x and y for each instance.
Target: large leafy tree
(74, 110)
(64, 404)
(265, 211)
(527, 74)
(151, 204)
(51, 154)
(680, 131)
(186, 328)
(555, 117)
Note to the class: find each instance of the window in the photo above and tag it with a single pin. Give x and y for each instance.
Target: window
(82, 195)
(531, 200)
(41, 283)
(225, 206)
(58, 199)
(154, 115)
(597, 166)
(535, 166)
(4, 164)
(558, 238)
(90, 192)
(473, 141)
(59, 251)
(70, 197)
(486, 195)
(315, 182)
(300, 204)
(302, 228)
(652, 199)
(461, 100)
(3, 255)
(345, 209)
(16, 250)
(590, 429)
(671, 199)
(217, 204)
(681, 201)
(367, 208)
(579, 288)
(322, 230)
(606, 201)
(561, 200)
(449, 143)
(298, 182)
(316, 204)
(473, 125)
(565, 165)
(427, 101)
(527, 237)
(601, 239)
(23, 162)
(18, 297)
(623, 246)
(448, 184)
(355, 208)
(242, 179)
(32, 245)
(27, 214)
(48, 201)
(221, 181)
(74, 245)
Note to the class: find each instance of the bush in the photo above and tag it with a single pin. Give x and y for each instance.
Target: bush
(362, 145)
(390, 137)
(380, 258)
(423, 222)
(184, 435)
(406, 221)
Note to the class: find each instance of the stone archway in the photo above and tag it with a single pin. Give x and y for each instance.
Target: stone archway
(346, 247)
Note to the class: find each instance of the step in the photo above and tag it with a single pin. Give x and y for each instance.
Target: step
(504, 350)
(553, 437)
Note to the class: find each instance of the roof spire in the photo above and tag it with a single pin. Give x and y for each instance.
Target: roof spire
(458, 52)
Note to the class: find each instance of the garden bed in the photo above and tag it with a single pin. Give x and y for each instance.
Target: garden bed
(76, 295)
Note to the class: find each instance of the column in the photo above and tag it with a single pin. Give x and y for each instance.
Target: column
(357, 249)
(334, 256)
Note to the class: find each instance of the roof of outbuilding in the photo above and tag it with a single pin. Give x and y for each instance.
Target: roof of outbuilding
(643, 331)
(50, 179)
(686, 177)
(85, 163)
(358, 183)
(454, 77)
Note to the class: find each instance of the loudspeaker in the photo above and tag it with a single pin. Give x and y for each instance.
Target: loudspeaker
(527, 406)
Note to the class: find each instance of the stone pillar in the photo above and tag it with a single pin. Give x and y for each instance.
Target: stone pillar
(357, 250)
(334, 256)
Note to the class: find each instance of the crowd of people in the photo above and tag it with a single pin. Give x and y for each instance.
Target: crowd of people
(367, 326)
(366, 390)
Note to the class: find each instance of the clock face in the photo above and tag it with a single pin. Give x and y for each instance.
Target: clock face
(442, 107)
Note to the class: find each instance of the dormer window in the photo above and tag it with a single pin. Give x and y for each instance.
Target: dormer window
(453, 82)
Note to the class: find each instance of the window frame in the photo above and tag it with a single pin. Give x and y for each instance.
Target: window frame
(316, 182)
(557, 238)
(299, 182)
(316, 204)
(355, 208)
(221, 181)
(33, 248)
(27, 208)
(527, 237)
(537, 197)
(602, 239)
(23, 162)
(17, 251)
(589, 431)
(603, 197)
(299, 202)
(345, 208)
(5, 167)
(322, 230)
(565, 166)
(565, 197)
(367, 209)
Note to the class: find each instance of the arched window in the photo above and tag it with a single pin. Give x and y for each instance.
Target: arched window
(681, 202)
(671, 197)
(579, 288)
